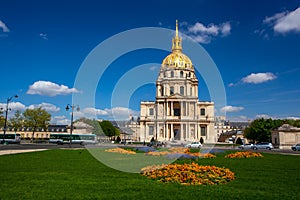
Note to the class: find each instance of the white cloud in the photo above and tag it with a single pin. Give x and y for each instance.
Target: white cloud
(225, 29)
(231, 84)
(204, 34)
(198, 27)
(3, 27)
(231, 109)
(116, 113)
(285, 22)
(61, 120)
(241, 118)
(44, 36)
(94, 111)
(262, 116)
(274, 18)
(45, 106)
(294, 118)
(14, 106)
(47, 88)
(256, 78)
(120, 113)
(204, 39)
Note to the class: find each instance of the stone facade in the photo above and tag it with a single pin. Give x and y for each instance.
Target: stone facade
(286, 136)
(177, 114)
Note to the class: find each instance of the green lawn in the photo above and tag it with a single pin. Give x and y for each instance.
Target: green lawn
(75, 174)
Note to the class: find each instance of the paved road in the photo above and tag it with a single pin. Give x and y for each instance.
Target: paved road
(31, 146)
(36, 146)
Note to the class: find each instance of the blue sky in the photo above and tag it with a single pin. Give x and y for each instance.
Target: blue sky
(255, 45)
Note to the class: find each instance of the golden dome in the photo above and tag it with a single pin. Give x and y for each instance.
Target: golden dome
(177, 58)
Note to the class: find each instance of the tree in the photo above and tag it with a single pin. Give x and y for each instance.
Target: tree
(2, 119)
(17, 121)
(108, 129)
(36, 118)
(260, 129)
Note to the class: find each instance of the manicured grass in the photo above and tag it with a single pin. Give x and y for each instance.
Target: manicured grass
(75, 174)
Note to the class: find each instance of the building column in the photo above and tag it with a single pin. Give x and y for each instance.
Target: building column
(181, 131)
(188, 131)
(188, 108)
(195, 110)
(172, 113)
(172, 132)
(165, 132)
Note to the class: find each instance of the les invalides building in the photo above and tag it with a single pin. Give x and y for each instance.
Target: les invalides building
(177, 114)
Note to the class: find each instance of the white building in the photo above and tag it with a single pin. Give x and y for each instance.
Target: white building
(177, 114)
(285, 136)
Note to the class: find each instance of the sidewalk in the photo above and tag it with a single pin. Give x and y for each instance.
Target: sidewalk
(5, 152)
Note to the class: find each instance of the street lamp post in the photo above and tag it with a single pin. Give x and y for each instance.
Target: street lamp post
(72, 115)
(6, 112)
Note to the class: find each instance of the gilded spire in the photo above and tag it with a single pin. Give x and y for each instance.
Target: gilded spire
(176, 34)
(176, 46)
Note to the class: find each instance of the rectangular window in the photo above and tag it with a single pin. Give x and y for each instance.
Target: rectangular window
(203, 131)
(171, 90)
(151, 111)
(182, 90)
(202, 111)
(176, 112)
(151, 130)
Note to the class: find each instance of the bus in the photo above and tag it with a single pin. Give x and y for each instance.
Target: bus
(81, 139)
(11, 138)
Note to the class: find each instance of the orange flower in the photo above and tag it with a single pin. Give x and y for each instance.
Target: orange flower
(120, 150)
(189, 174)
(244, 154)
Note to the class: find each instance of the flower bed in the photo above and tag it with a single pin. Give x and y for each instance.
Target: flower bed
(244, 154)
(181, 152)
(120, 150)
(157, 153)
(188, 174)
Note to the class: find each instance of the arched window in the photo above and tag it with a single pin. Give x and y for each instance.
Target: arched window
(171, 90)
(172, 74)
(181, 74)
(181, 90)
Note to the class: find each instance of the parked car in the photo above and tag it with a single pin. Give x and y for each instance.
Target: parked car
(263, 145)
(126, 141)
(296, 147)
(194, 145)
(155, 144)
(246, 146)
